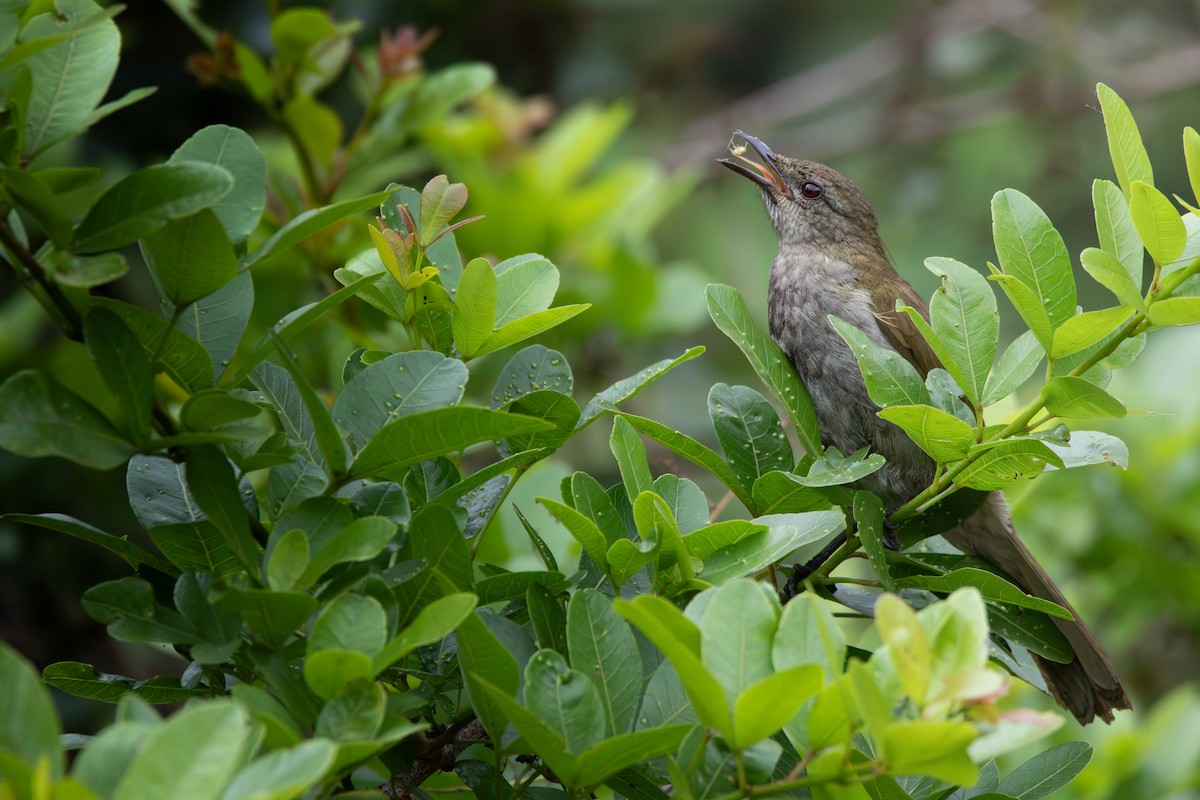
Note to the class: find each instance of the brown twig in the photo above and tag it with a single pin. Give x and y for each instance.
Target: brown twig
(436, 754)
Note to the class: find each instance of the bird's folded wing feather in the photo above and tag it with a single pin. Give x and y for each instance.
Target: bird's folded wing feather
(902, 334)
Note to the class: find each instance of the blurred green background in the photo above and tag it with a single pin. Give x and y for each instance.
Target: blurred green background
(596, 147)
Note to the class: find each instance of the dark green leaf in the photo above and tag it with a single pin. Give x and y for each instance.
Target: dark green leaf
(124, 368)
(990, 585)
(118, 545)
(1032, 251)
(511, 585)
(128, 608)
(868, 516)
(481, 655)
(41, 417)
(781, 492)
(603, 648)
(728, 310)
(626, 388)
(327, 436)
(191, 257)
(534, 368)
(144, 201)
(749, 431)
(183, 359)
(785, 533)
(273, 616)
(565, 699)
(417, 437)
(211, 481)
(233, 149)
(1047, 772)
(890, 378)
(308, 223)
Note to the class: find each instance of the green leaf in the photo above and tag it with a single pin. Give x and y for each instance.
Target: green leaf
(208, 409)
(306, 224)
(944, 437)
(433, 623)
(626, 388)
(482, 656)
(1017, 363)
(565, 699)
(70, 77)
(440, 92)
(233, 149)
(1091, 447)
(690, 449)
(630, 453)
(766, 706)
(273, 616)
(212, 484)
(1032, 251)
(191, 257)
(183, 359)
(785, 533)
(1115, 231)
(990, 585)
(474, 316)
(590, 499)
(84, 272)
(931, 747)
(41, 417)
(547, 617)
(418, 437)
(434, 536)
(317, 127)
(555, 408)
(1130, 162)
(1070, 397)
(808, 634)
(545, 741)
(736, 631)
(37, 199)
(333, 449)
(533, 369)
(361, 540)
(868, 517)
(525, 285)
(728, 310)
(1006, 462)
(1158, 223)
(194, 754)
(1084, 330)
(127, 606)
(963, 314)
(133, 555)
(283, 774)
(582, 529)
(512, 585)
(401, 384)
(287, 561)
(143, 202)
(440, 202)
(124, 368)
(749, 431)
(601, 761)
(1176, 311)
(1027, 304)
(679, 640)
(704, 542)
(784, 493)
(521, 329)
(1047, 772)
(834, 469)
(349, 622)
(1112, 275)
(29, 725)
(890, 378)
(1191, 154)
(329, 672)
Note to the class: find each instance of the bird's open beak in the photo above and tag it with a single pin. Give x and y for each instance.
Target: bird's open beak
(765, 174)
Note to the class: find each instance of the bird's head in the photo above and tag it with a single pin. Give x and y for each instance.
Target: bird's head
(809, 203)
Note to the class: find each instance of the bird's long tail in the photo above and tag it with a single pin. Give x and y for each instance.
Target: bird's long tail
(1088, 686)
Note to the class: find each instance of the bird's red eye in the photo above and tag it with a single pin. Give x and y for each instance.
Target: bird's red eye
(811, 191)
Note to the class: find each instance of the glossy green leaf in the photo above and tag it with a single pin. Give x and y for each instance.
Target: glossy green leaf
(1130, 162)
(1017, 363)
(990, 585)
(785, 533)
(84, 272)
(1075, 398)
(1032, 251)
(41, 417)
(557, 409)
(283, 774)
(582, 528)
(534, 368)
(124, 368)
(143, 202)
(1158, 223)
(288, 560)
(944, 437)
(1084, 330)
(766, 706)
(481, 655)
(182, 358)
(128, 607)
(70, 77)
(868, 518)
(1027, 304)
(328, 672)
(590, 499)
(736, 633)
(191, 257)
(603, 648)
(630, 453)
(524, 285)
(890, 378)
(1003, 463)
(749, 431)
(433, 623)
(963, 314)
(521, 329)
(1112, 275)
(834, 469)
(120, 546)
(272, 615)
(417, 437)
(401, 384)
(1047, 772)
(931, 747)
(784, 493)
(211, 481)
(626, 388)
(474, 316)
(231, 148)
(728, 310)
(679, 640)
(309, 222)
(329, 440)
(1115, 231)
(566, 699)
(1176, 311)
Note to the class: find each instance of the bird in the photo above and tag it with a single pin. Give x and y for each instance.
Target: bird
(832, 261)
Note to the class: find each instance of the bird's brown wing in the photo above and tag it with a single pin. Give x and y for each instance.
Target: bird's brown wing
(902, 334)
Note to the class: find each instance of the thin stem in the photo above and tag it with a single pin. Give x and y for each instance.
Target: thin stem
(48, 293)
(848, 549)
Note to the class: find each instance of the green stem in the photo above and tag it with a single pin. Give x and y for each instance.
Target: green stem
(48, 293)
